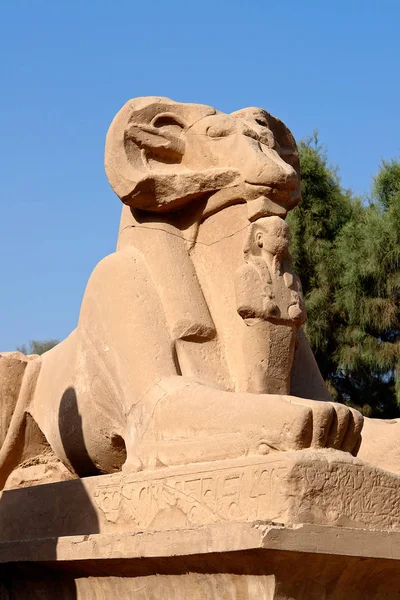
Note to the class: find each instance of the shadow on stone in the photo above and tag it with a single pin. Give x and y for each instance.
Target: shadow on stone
(44, 513)
(70, 427)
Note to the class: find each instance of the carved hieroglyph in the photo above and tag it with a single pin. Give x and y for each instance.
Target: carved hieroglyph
(188, 347)
(325, 487)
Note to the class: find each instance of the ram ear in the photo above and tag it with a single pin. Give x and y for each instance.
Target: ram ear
(145, 134)
(163, 138)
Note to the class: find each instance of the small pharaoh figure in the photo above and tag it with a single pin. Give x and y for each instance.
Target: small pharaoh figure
(270, 301)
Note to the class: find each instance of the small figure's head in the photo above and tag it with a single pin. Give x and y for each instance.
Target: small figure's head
(161, 155)
(269, 235)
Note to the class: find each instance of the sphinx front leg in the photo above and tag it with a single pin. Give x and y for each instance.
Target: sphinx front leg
(183, 421)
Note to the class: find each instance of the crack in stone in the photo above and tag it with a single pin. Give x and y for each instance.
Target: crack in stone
(189, 240)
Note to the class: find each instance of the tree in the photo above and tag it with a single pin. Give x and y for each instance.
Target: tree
(347, 254)
(315, 224)
(368, 298)
(38, 346)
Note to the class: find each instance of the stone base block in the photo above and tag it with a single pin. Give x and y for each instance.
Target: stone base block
(290, 526)
(230, 561)
(326, 487)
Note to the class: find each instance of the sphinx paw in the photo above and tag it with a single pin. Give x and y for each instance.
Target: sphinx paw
(345, 430)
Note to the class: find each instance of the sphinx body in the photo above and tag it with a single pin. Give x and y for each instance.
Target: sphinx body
(189, 345)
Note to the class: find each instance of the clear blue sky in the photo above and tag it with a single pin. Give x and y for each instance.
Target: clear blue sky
(67, 66)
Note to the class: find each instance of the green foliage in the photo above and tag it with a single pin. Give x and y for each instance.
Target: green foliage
(386, 186)
(315, 224)
(347, 254)
(368, 250)
(38, 346)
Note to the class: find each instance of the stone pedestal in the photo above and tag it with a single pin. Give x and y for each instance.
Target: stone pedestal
(301, 526)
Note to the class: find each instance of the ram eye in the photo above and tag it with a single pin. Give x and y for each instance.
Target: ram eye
(221, 126)
(215, 131)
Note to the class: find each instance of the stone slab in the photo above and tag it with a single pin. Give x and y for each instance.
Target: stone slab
(224, 561)
(327, 488)
(299, 526)
(210, 539)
